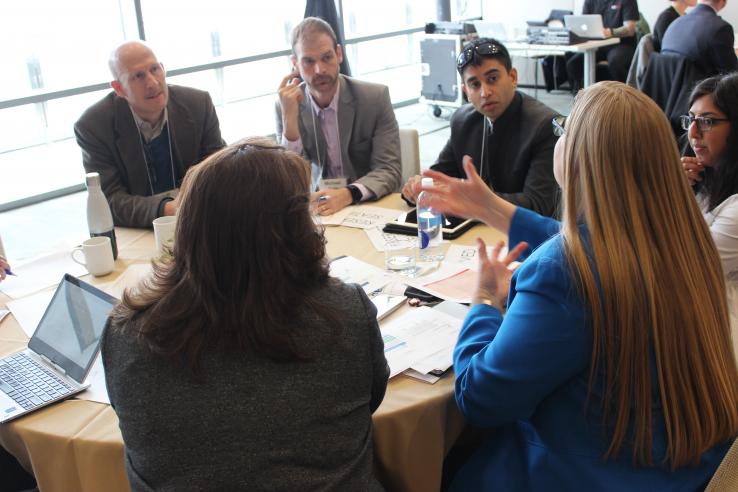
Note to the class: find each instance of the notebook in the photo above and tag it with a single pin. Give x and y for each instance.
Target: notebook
(60, 353)
(585, 26)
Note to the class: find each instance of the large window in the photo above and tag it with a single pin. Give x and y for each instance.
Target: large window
(55, 66)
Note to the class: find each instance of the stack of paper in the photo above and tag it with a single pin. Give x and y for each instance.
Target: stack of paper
(423, 339)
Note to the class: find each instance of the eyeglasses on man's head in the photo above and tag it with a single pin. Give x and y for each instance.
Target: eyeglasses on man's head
(484, 49)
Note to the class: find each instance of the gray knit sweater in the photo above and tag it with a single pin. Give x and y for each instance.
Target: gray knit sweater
(251, 423)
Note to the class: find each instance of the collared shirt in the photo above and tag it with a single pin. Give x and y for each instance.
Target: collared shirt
(333, 167)
(147, 130)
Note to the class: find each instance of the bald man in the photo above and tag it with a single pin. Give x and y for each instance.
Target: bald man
(144, 135)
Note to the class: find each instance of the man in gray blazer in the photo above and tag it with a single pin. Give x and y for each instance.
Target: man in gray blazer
(345, 127)
(142, 137)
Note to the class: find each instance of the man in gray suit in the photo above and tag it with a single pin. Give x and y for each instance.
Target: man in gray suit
(142, 137)
(345, 127)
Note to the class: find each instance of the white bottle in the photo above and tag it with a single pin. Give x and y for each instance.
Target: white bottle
(430, 227)
(99, 218)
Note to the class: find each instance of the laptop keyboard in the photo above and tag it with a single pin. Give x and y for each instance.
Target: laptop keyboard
(28, 383)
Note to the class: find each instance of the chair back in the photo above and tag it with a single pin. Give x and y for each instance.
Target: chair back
(642, 56)
(726, 476)
(409, 153)
(669, 80)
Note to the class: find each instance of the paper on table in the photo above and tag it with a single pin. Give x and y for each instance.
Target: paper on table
(426, 378)
(351, 270)
(40, 273)
(450, 281)
(416, 335)
(130, 278)
(29, 310)
(386, 241)
(333, 219)
(361, 216)
(96, 378)
(469, 256)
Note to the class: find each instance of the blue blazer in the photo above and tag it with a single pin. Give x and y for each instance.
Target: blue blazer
(524, 378)
(703, 37)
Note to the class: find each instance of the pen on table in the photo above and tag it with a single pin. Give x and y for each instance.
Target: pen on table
(8, 272)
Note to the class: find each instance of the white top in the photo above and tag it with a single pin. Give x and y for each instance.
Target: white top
(723, 224)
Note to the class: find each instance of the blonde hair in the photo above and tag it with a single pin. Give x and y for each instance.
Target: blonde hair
(650, 274)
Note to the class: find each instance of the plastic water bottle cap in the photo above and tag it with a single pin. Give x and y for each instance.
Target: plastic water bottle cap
(426, 183)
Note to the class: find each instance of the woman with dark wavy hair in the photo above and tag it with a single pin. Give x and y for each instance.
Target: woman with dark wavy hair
(712, 169)
(240, 364)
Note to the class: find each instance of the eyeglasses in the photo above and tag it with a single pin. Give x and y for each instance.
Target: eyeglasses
(558, 125)
(704, 124)
(484, 49)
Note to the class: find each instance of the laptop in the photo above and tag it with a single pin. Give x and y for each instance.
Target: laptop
(585, 26)
(495, 30)
(60, 353)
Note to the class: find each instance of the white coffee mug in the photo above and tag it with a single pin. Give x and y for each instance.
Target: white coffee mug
(164, 232)
(98, 253)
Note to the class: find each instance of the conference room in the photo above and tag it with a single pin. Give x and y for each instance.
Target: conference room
(229, 264)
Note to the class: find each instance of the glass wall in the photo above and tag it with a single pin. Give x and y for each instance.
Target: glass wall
(54, 51)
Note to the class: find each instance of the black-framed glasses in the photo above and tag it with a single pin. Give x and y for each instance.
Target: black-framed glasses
(704, 123)
(558, 125)
(484, 49)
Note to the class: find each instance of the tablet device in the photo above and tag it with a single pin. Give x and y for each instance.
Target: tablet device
(407, 224)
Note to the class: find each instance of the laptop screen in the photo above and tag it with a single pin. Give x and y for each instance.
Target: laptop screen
(69, 332)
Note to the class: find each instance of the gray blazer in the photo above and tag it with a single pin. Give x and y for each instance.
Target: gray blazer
(107, 134)
(370, 138)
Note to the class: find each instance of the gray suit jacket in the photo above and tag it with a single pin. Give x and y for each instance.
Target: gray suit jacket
(111, 146)
(370, 138)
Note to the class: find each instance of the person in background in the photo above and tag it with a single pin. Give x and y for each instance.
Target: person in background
(598, 377)
(143, 136)
(619, 18)
(712, 170)
(676, 9)
(345, 127)
(241, 364)
(703, 37)
(507, 133)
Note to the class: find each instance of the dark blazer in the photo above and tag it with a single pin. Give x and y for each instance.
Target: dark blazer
(518, 162)
(703, 37)
(111, 146)
(367, 128)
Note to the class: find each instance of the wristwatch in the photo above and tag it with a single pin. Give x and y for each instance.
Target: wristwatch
(355, 194)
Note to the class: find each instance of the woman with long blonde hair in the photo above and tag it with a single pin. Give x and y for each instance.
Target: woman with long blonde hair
(613, 368)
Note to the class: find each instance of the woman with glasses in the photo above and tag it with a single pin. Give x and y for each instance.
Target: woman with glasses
(712, 169)
(241, 365)
(611, 370)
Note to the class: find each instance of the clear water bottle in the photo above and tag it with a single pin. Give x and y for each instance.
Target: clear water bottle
(430, 228)
(99, 218)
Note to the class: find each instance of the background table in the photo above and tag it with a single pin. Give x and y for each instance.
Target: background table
(589, 48)
(76, 445)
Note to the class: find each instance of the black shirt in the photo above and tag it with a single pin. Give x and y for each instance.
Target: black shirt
(665, 18)
(614, 13)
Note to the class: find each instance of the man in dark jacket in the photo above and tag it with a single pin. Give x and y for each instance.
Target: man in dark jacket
(704, 38)
(506, 133)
